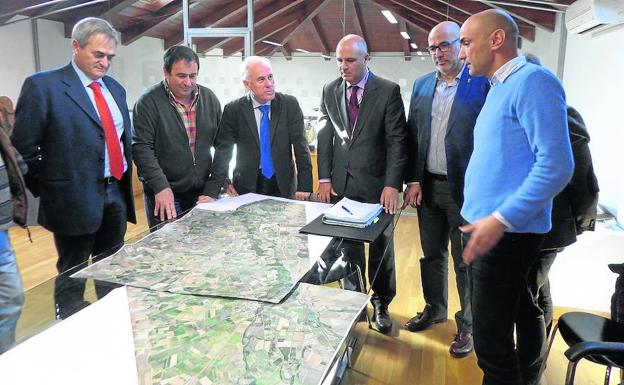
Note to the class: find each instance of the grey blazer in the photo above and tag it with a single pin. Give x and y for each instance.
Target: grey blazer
(375, 156)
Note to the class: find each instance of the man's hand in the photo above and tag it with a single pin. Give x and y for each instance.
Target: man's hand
(325, 191)
(389, 199)
(231, 191)
(412, 195)
(484, 235)
(205, 199)
(302, 195)
(165, 205)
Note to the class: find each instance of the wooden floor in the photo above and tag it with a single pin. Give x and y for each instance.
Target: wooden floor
(401, 358)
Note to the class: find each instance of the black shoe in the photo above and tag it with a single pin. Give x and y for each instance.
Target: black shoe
(462, 345)
(382, 318)
(422, 321)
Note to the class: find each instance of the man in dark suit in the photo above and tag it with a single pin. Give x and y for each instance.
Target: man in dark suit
(175, 125)
(361, 156)
(443, 110)
(266, 127)
(72, 127)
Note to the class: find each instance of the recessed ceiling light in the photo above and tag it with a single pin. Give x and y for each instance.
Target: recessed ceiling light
(272, 43)
(414, 45)
(389, 16)
(419, 53)
(326, 56)
(301, 50)
(405, 35)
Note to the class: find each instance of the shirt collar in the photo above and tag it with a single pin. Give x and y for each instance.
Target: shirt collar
(257, 104)
(507, 69)
(172, 97)
(84, 79)
(362, 82)
(457, 77)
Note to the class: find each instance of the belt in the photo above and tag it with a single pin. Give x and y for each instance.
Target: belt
(437, 176)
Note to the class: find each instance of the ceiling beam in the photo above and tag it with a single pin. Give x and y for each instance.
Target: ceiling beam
(8, 9)
(320, 37)
(116, 6)
(267, 49)
(358, 20)
(286, 51)
(424, 26)
(169, 12)
(471, 7)
(270, 10)
(405, 42)
(312, 8)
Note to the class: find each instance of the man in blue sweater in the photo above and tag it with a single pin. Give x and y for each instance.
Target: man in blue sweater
(521, 160)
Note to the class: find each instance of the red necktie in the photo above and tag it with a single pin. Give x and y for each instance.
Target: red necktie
(115, 160)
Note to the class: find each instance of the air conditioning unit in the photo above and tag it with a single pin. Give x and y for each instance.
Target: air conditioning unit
(589, 15)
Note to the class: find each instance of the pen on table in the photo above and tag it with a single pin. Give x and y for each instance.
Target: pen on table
(347, 210)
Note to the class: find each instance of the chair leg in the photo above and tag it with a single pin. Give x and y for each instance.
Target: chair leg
(553, 333)
(607, 375)
(569, 380)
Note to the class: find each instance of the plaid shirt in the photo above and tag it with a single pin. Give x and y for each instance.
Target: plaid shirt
(187, 115)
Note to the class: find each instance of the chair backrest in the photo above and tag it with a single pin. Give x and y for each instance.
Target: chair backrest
(617, 299)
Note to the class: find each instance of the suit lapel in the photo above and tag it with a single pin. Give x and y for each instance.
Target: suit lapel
(77, 93)
(250, 118)
(341, 102)
(276, 113)
(459, 100)
(369, 100)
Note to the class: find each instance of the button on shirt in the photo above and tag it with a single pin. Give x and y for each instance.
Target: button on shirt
(440, 112)
(115, 112)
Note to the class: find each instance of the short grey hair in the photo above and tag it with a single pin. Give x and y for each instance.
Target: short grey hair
(249, 61)
(89, 26)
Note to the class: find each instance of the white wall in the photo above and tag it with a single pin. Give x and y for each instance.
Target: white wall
(16, 51)
(593, 79)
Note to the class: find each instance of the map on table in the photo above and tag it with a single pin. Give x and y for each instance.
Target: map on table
(255, 252)
(193, 340)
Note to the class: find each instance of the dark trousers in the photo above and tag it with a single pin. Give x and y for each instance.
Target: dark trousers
(183, 201)
(380, 258)
(501, 297)
(439, 220)
(75, 250)
(540, 285)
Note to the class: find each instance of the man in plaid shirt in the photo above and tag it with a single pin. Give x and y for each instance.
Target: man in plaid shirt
(175, 123)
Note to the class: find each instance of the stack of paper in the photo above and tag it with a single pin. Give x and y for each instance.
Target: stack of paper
(351, 213)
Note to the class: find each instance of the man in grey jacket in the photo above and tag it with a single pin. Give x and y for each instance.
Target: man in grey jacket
(175, 124)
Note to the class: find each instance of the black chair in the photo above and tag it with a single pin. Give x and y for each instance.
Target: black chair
(595, 338)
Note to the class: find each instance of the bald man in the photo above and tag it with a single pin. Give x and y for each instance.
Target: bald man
(443, 109)
(521, 160)
(361, 156)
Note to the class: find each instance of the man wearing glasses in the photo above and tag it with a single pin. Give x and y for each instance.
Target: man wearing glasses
(443, 110)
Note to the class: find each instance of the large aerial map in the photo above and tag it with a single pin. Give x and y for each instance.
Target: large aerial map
(194, 340)
(254, 252)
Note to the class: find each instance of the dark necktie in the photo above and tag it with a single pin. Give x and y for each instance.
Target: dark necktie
(353, 108)
(265, 143)
(110, 132)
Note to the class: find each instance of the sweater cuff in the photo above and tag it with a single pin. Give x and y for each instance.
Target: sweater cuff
(502, 219)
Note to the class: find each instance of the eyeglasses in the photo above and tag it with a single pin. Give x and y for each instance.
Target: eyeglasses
(445, 46)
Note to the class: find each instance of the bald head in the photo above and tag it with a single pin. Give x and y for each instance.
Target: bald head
(448, 29)
(444, 48)
(355, 42)
(491, 20)
(489, 39)
(352, 57)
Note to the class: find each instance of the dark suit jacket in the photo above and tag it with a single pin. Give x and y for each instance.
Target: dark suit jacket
(238, 126)
(574, 208)
(469, 99)
(376, 152)
(59, 134)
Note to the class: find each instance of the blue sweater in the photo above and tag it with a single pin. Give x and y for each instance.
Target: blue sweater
(522, 156)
